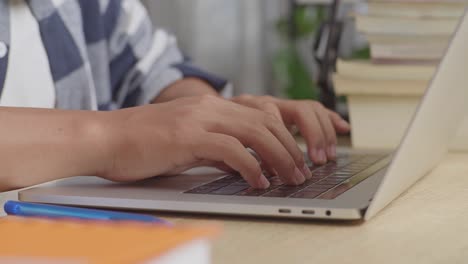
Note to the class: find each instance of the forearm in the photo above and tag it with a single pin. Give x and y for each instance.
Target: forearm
(185, 88)
(39, 145)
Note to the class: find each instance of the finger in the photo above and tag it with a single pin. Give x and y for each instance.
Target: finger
(294, 113)
(339, 123)
(280, 131)
(270, 149)
(310, 128)
(229, 150)
(268, 169)
(214, 164)
(202, 163)
(277, 127)
(264, 164)
(259, 104)
(248, 126)
(222, 167)
(271, 108)
(274, 122)
(327, 128)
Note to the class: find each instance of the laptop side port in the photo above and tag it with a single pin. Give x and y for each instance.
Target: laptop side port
(284, 211)
(308, 212)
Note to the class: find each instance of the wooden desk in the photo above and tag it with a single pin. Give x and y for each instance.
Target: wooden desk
(428, 224)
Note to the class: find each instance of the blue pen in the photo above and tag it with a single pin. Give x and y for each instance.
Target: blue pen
(55, 211)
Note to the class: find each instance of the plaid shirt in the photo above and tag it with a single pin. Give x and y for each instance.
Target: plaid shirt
(104, 54)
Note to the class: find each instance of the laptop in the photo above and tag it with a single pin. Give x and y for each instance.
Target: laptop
(355, 187)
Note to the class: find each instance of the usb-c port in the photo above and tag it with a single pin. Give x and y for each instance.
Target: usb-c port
(309, 212)
(284, 211)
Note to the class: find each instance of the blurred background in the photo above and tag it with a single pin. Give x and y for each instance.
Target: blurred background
(369, 60)
(248, 41)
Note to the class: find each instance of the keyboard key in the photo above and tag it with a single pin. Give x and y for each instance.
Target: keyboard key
(227, 180)
(318, 178)
(292, 188)
(312, 180)
(325, 185)
(341, 173)
(252, 192)
(314, 190)
(327, 171)
(205, 189)
(284, 191)
(230, 190)
(329, 180)
(338, 176)
(341, 179)
(277, 193)
(320, 175)
(321, 172)
(333, 181)
(328, 165)
(351, 171)
(314, 167)
(307, 194)
(340, 162)
(335, 192)
(350, 183)
(241, 183)
(370, 159)
(356, 167)
(314, 187)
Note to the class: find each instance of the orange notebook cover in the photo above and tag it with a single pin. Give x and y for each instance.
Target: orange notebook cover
(24, 239)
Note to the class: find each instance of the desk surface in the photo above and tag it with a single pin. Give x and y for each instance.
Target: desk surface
(427, 224)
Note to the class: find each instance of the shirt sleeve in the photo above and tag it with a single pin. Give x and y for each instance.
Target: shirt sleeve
(144, 61)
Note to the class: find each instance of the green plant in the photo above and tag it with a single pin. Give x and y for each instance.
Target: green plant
(290, 70)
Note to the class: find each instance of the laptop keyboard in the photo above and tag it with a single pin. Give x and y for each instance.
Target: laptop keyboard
(328, 181)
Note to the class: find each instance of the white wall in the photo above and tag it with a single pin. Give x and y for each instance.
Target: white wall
(233, 38)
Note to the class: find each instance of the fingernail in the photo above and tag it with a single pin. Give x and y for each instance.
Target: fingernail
(322, 156)
(263, 182)
(298, 176)
(306, 172)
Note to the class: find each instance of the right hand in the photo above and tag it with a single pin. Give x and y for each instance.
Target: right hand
(175, 136)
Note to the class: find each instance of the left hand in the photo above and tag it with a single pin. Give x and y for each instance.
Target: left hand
(316, 124)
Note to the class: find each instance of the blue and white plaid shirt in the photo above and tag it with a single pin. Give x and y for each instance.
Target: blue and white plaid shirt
(104, 54)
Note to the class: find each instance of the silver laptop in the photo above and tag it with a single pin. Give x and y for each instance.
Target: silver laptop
(357, 186)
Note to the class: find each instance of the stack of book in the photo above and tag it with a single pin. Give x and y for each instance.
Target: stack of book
(407, 39)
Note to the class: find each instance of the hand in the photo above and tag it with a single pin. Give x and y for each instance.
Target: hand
(180, 134)
(316, 124)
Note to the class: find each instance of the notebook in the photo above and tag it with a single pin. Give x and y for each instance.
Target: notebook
(27, 240)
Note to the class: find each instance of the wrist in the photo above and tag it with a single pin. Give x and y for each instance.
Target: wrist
(97, 136)
(184, 88)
